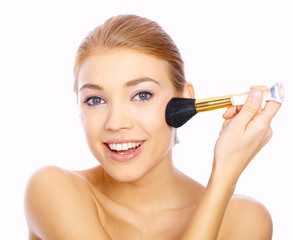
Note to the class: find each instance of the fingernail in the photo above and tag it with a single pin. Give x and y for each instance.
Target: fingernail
(256, 96)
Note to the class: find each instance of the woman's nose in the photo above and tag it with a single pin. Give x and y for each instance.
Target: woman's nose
(118, 118)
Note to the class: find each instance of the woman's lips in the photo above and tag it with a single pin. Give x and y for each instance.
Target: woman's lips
(123, 151)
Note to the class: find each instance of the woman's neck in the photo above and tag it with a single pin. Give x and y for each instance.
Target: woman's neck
(163, 184)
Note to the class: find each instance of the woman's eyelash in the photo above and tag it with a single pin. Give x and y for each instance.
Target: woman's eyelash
(142, 96)
(94, 101)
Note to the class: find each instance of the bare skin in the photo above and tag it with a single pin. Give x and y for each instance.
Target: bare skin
(147, 197)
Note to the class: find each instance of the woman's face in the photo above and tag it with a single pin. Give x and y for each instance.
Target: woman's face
(123, 96)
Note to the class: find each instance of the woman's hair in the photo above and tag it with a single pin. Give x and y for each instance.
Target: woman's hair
(137, 33)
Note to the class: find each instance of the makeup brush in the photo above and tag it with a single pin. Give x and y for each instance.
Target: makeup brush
(180, 110)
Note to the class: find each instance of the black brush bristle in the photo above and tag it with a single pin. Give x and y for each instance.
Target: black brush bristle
(179, 111)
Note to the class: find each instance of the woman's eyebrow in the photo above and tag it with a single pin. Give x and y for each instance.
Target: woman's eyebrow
(140, 80)
(91, 86)
(127, 84)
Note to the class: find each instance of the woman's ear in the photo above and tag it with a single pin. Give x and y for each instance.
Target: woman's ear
(188, 91)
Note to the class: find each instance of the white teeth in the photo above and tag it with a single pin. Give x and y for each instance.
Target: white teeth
(123, 146)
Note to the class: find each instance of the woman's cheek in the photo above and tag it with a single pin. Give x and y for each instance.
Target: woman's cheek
(161, 134)
(91, 124)
(153, 118)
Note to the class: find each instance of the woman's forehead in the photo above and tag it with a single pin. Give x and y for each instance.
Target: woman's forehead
(123, 65)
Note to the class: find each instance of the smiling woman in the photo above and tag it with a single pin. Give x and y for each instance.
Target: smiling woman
(130, 112)
(126, 71)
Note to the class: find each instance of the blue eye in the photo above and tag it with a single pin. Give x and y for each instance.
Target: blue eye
(143, 96)
(94, 101)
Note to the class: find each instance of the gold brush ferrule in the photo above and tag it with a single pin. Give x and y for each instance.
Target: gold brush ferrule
(207, 104)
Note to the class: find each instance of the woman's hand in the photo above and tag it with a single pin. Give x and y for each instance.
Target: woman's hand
(245, 131)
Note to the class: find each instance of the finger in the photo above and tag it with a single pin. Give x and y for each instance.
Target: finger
(238, 108)
(250, 108)
(270, 110)
(258, 87)
(231, 112)
(225, 123)
(228, 120)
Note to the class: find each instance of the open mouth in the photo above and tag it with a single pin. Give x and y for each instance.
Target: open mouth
(123, 148)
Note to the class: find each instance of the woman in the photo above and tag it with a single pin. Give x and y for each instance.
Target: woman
(126, 71)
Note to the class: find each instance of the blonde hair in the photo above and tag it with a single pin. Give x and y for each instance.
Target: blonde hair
(137, 33)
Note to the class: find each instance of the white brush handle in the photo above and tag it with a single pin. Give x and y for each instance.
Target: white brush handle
(275, 93)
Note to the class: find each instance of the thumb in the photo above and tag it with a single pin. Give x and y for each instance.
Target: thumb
(250, 107)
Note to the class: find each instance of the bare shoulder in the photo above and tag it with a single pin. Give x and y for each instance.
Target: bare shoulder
(58, 205)
(247, 219)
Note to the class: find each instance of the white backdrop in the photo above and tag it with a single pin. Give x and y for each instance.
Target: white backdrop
(226, 45)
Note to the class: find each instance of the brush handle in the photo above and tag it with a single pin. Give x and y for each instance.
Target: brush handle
(207, 104)
(274, 93)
